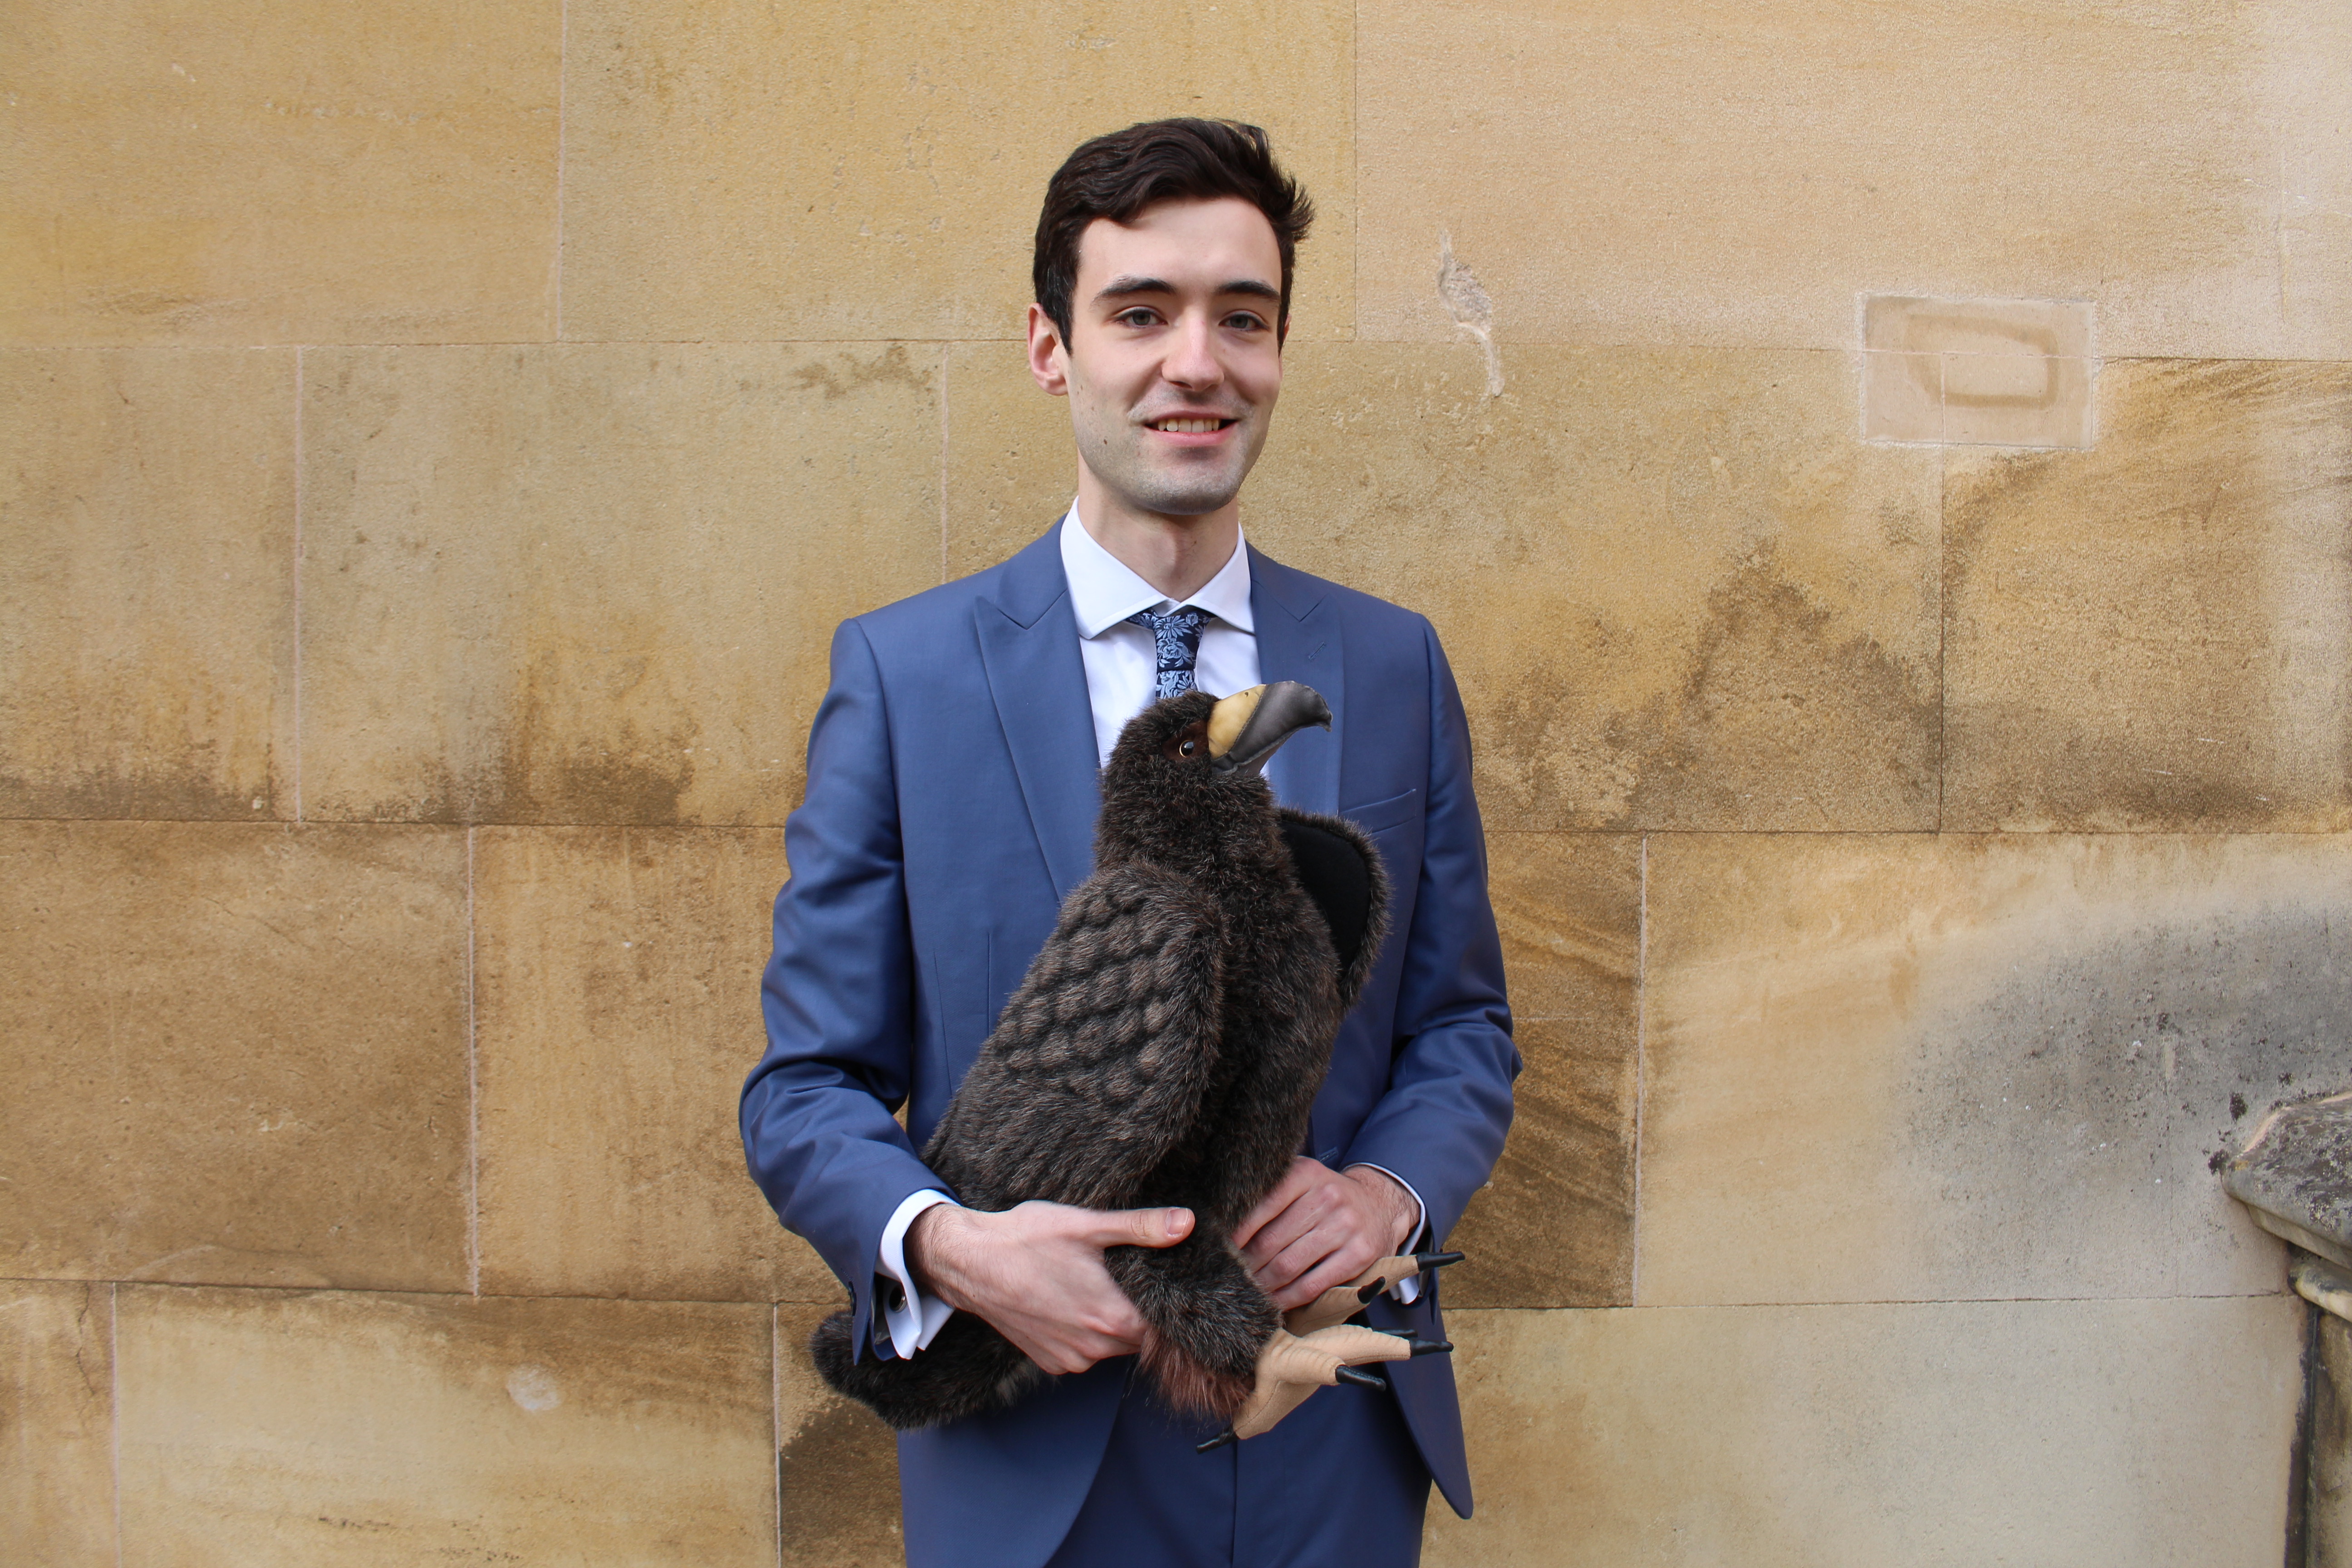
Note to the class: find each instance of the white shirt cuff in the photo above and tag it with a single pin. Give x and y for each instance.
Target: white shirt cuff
(1405, 1290)
(913, 1319)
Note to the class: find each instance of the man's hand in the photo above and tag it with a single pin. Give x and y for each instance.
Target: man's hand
(1321, 1227)
(1036, 1273)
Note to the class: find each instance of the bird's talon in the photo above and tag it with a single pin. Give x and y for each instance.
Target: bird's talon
(1219, 1441)
(1361, 1378)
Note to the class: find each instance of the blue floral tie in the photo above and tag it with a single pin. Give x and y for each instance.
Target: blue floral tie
(1176, 635)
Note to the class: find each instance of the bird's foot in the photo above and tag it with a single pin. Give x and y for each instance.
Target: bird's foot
(1293, 1366)
(1341, 1303)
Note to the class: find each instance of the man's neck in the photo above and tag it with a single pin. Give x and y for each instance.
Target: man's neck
(1177, 556)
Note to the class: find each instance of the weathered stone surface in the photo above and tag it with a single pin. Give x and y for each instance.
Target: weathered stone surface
(617, 994)
(1995, 373)
(2155, 634)
(2327, 1501)
(2297, 1167)
(837, 1471)
(1676, 590)
(1735, 175)
(728, 174)
(57, 1422)
(597, 585)
(261, 1428)
(236, 1054)
(1554, 1227)
(1011, 461)
(2090, 1433)
(147, 582)
(1926, 1068)
(247, 171)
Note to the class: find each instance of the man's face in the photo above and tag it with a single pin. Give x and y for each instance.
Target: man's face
(1172, 364)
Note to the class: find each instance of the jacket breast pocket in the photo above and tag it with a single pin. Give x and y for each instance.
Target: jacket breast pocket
(1379, 817)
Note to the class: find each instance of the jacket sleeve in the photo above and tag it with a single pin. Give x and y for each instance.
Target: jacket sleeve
(1440, 1125)
(816, 1113)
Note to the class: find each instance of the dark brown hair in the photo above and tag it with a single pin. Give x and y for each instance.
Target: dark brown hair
(1118, 175)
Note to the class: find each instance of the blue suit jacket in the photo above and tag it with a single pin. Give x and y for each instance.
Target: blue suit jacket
(950, 807)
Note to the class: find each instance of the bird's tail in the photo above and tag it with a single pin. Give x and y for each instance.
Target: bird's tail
(969, 1368)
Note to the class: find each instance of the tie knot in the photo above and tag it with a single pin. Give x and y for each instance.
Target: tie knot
(1176, 639)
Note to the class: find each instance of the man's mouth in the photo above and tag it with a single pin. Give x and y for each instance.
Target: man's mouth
(1178, 426)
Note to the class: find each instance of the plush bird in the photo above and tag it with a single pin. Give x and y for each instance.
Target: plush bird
(1164, 1048)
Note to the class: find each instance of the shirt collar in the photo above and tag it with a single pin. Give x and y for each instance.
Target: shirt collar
(1105, 591)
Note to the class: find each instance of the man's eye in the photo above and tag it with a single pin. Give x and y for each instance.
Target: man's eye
(1243, 321)
(1138, 317)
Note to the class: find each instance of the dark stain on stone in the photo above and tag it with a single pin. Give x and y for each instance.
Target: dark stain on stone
(187, 793)
(2049, 1106)
(846, 373)
(2119, 622)
(1781, 722)
(838, 1480)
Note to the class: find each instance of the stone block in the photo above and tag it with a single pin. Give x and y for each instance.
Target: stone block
(266, 1427)
(57, 1422)
(1730, 176)
(2130, 1434)
(617, 996)
(236, 1054)
(2155, 634)
(829, 170)
(1883, 1068)
(147, 582)
(247, 171)
(837, 1466)
(1554, 1227)
(1676, 590)
(597, 583)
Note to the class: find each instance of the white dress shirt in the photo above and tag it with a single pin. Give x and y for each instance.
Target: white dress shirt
(1122, 670)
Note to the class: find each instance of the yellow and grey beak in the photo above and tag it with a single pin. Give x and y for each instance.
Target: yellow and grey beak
(1248, 727)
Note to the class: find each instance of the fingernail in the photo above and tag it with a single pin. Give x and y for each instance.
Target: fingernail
(1177, 1219)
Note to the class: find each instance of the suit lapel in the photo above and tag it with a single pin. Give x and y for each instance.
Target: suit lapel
(1029, 644)
(1298, 639)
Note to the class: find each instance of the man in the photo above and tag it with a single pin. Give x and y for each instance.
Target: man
(950, 803)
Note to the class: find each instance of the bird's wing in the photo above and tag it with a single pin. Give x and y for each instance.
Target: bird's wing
(1342, 874)
(1099, 1061)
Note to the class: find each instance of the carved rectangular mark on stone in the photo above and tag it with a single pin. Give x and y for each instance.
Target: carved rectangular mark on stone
(1985, 373)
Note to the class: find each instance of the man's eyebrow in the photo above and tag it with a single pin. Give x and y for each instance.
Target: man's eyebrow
(1126, 284)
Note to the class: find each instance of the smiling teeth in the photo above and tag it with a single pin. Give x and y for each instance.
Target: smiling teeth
(1187, 426)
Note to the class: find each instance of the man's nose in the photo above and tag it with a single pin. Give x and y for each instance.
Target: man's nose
(1192, 361)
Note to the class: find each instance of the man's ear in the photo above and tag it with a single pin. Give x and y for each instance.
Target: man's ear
(1049, 360)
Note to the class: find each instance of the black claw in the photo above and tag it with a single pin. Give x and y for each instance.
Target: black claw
(1367, 1292)
(1219, 1441)
(1433, 1347)
(1361, 1378)
(1425, 1261)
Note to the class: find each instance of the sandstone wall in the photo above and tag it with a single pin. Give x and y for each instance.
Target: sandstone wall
(1882, 472)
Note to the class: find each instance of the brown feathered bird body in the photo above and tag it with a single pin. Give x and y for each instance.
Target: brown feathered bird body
(1164, 1048)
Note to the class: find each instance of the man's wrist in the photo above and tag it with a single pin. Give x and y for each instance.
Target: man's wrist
(932, 1250)
(1402, 1210)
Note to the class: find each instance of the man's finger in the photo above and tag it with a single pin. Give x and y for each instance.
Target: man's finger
(1294, 1180)
(1139, 1227)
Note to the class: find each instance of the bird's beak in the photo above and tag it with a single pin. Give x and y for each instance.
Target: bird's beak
(1250, 726)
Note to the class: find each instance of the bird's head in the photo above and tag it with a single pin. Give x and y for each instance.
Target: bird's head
(1206, 740)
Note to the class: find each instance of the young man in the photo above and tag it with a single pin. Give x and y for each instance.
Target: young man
(951, 806)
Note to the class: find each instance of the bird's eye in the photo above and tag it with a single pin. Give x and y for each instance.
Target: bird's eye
(1188, 748)
(1191, 741)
